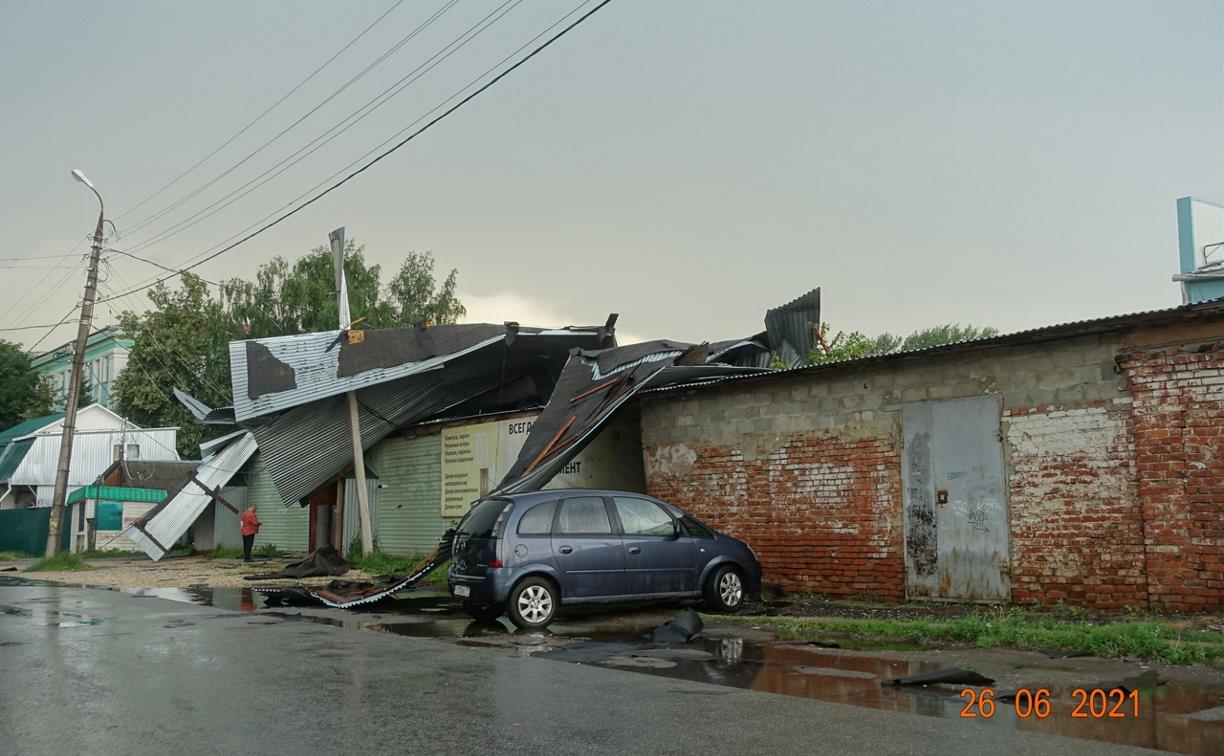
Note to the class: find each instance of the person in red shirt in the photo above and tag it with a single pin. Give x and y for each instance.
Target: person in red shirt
(250, 526)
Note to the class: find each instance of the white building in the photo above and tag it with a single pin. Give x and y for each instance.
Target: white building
(28, 461)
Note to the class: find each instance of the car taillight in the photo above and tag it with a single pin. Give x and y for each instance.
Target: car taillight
(495, 563)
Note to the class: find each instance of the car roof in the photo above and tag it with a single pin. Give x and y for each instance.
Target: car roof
(555, 492)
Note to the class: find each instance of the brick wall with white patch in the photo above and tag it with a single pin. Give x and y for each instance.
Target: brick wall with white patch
(1111, 457)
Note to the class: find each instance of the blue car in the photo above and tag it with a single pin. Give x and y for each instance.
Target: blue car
(527, 554)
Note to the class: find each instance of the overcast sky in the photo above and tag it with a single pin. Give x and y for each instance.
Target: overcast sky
(686, 164)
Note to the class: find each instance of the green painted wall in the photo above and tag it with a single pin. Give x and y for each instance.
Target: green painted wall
(286, 527)
(410, 502)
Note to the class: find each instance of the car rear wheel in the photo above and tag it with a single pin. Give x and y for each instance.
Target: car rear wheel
(533, 603)
(483, 612)
(724, 591)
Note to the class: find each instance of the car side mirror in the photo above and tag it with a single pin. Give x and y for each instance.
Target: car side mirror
(676, 532)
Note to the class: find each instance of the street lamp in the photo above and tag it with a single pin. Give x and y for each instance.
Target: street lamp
(74, 386)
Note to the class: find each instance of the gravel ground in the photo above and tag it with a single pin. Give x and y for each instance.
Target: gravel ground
(176, 572)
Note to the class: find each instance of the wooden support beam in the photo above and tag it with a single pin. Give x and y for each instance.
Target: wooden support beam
(545, 451)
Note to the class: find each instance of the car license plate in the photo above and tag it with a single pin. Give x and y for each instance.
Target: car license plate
(463, 591)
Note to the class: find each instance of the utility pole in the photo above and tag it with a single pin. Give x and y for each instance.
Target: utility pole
(74, 385)
(346, 321)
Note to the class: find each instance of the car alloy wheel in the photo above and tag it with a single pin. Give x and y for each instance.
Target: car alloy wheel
(731, 589)
(533, 603)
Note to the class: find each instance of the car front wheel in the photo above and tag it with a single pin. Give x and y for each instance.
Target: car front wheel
(533, 603)
(724, 591)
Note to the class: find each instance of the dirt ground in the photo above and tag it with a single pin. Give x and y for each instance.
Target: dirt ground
(174, 572)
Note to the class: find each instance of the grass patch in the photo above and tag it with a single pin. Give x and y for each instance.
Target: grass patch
(379, 563)
(266, 551)
(1153, 639)
(10, 556)
(222, 553)
(110, 554)
(61, 562)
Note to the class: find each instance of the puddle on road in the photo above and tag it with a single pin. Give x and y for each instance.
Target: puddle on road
(839, 676)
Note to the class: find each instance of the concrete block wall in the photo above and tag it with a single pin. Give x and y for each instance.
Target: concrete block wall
(806, 468)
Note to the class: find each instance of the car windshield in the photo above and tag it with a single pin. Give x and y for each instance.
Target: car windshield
(480, 521)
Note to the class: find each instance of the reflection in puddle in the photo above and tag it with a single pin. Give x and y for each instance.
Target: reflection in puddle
(839, 676)
(234, 599)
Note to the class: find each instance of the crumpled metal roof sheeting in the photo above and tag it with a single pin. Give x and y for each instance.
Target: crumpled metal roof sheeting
(593, 387)
(313, 361)
(789, 327)
(162, 526)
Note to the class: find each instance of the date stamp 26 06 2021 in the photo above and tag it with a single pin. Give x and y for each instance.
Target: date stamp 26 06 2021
(1091, 703)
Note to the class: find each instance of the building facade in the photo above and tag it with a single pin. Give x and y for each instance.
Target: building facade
(106, 355)
(1080, 463)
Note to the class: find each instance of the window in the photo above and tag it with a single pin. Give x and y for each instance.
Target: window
(132, 452)
(537, 520)
(693, 528)
(584, 514)
(642, 517)
(480, 522)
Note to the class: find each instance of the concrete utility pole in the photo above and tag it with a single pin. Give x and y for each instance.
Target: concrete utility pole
(74, 385)
(346, 321)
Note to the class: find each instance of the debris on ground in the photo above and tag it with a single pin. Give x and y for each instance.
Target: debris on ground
(686, 626)
(954, 675)
(322, 562)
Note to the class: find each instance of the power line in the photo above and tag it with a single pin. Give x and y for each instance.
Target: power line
(51, 329)
(259, 117)
(424, 25)
(389, 151)
(39, 286)
(335, 130)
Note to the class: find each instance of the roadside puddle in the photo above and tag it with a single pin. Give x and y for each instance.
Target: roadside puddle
(1173, 717)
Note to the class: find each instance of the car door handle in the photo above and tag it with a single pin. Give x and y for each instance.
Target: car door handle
(566, 549)
(635, 549)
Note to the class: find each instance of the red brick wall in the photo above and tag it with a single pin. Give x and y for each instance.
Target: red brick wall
(1076, 531)
(1178, 421)
(822, 513)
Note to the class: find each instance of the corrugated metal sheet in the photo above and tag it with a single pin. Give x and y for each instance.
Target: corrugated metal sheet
(790, 327)
(1145, 319)
(165, 524)
(12, 456)
(28, 427)
(410, 503)
(286, 527)
(92, 453)
(313, 360)
(116, 493)
(352, 519)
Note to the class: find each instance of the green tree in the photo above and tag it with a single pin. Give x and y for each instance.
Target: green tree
(181, 343)
(19, 386)
(416, 296)
(300, 297)
(856, 344)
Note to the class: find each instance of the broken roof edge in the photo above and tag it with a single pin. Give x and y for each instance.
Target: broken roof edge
(1039, 335)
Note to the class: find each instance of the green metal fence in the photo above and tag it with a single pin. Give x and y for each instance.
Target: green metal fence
(25, 530)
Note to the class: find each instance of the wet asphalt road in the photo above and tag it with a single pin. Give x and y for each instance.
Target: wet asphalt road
(102, 672)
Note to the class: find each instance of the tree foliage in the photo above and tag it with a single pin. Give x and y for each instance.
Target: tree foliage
(183, 341)
(180, 343)
(856, 344)
(20, 387)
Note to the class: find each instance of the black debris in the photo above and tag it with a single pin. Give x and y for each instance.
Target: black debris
(321, 563)
(950, 675)
(686, 626)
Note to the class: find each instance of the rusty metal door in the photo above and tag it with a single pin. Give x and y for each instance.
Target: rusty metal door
(956, 532)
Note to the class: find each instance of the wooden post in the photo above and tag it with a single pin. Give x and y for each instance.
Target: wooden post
(363, 506)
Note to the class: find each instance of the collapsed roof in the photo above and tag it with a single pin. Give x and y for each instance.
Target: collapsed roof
(594, 386)
(290, 391)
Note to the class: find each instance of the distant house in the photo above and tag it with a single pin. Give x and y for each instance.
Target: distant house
(29, 453)
(106, 355)
(99, 514)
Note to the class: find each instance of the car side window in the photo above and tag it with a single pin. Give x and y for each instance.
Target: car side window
(538, 520)
(584, 515)
(693, 528)
(642, 517)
